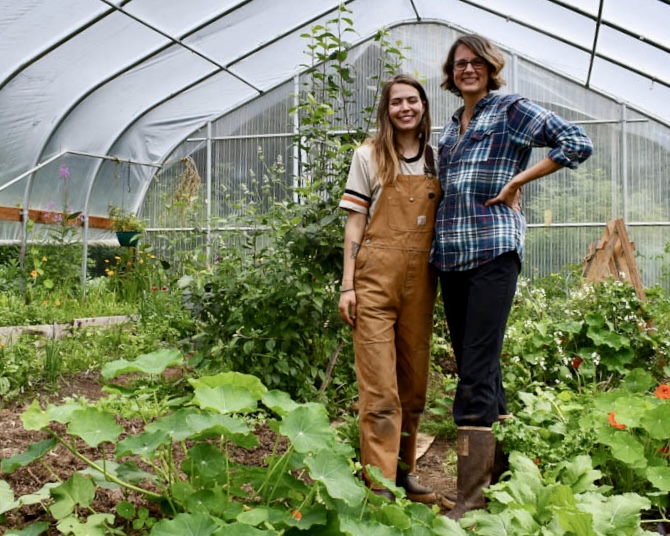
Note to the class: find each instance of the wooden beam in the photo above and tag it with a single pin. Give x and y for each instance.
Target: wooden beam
(48, 217)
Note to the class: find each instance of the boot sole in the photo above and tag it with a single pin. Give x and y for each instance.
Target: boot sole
(448, 503)
(424, 498)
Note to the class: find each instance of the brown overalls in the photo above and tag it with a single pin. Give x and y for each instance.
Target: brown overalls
(395, 297)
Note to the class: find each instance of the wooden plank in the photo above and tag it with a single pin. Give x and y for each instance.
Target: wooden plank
(48, 217)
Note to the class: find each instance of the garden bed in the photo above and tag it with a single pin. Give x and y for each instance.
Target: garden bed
(15, 439)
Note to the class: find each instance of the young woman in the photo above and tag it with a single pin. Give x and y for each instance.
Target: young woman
(479, 237)
(388, 287)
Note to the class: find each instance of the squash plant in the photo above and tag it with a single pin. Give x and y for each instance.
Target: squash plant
(311, 488)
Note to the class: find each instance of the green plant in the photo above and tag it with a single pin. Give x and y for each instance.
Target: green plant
(626, 431)
(123, 220)
(586, 334)
(308, 485)
(270, 308)
(565, 500)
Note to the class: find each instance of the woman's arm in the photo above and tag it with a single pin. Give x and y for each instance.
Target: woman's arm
(510, 194)
(353, 236)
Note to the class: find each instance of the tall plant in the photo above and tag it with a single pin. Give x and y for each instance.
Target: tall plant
(270, 309)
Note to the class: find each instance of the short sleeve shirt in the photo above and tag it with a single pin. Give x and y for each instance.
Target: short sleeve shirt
(363, 188)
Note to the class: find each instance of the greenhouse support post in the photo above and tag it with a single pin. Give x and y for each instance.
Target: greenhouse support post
(208, 200)
(624, 163)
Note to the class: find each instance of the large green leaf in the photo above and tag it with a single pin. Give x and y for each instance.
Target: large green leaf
(626, 448)
(63, 413)
(212, 425)
(659, 477)
(185, 525)
(35, 452)
(34, 418)
(6, 497)
(143, 445)
(94, 426)
(335, 473)
(356, 527)
(629, 409)
(638, 381)
(40, 496)
(579, 474)
(204, 463)
(252, 383)
(31, 530)
(240, 529)
(225, 399)
(153, 363)
(279, 401)
(308, 429)
(175, 424)
(95, 525)
(574, 521)
(618, 514)
(657, 421)
(77, 491)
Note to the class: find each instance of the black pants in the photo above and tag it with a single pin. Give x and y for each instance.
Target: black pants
(477, 303)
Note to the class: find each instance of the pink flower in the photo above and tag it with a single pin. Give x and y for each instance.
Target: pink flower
(64, 172)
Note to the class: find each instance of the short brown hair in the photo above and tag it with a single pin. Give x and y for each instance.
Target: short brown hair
(490, 53)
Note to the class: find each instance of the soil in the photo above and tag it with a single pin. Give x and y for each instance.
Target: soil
(14, 440)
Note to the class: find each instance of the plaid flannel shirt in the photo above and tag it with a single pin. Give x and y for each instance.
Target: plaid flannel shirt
(495, 147)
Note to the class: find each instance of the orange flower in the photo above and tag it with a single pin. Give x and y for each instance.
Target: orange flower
(663, 391)
(613, 423)
(296, 515)
(34, 273)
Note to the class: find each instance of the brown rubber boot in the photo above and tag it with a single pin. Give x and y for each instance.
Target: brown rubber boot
(476, 450)
(415, 492)
(500, 465)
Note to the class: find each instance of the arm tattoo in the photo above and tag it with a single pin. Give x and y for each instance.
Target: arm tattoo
(355, 246)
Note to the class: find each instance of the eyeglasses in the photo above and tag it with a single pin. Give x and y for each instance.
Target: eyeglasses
(477, 64)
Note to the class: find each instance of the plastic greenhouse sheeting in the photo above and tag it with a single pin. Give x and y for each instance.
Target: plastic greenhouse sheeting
(95, 94)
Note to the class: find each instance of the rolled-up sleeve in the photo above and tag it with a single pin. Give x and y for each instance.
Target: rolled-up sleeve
(534, 126)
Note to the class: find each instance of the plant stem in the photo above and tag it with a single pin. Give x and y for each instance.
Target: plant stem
(102, 471)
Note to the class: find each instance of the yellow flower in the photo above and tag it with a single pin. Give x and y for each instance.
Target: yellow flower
(57, 303)
(107, 261)
(45, 302)
(110, 273)
(44, 259)
(34, 273)
(141, 261)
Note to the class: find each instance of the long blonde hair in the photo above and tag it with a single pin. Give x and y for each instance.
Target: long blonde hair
(384, 146)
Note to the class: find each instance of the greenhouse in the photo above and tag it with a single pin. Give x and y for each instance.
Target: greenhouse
(173, 355)
(117, 95)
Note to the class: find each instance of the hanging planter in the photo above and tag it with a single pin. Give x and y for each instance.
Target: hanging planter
(128, 227)
(128, 238)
